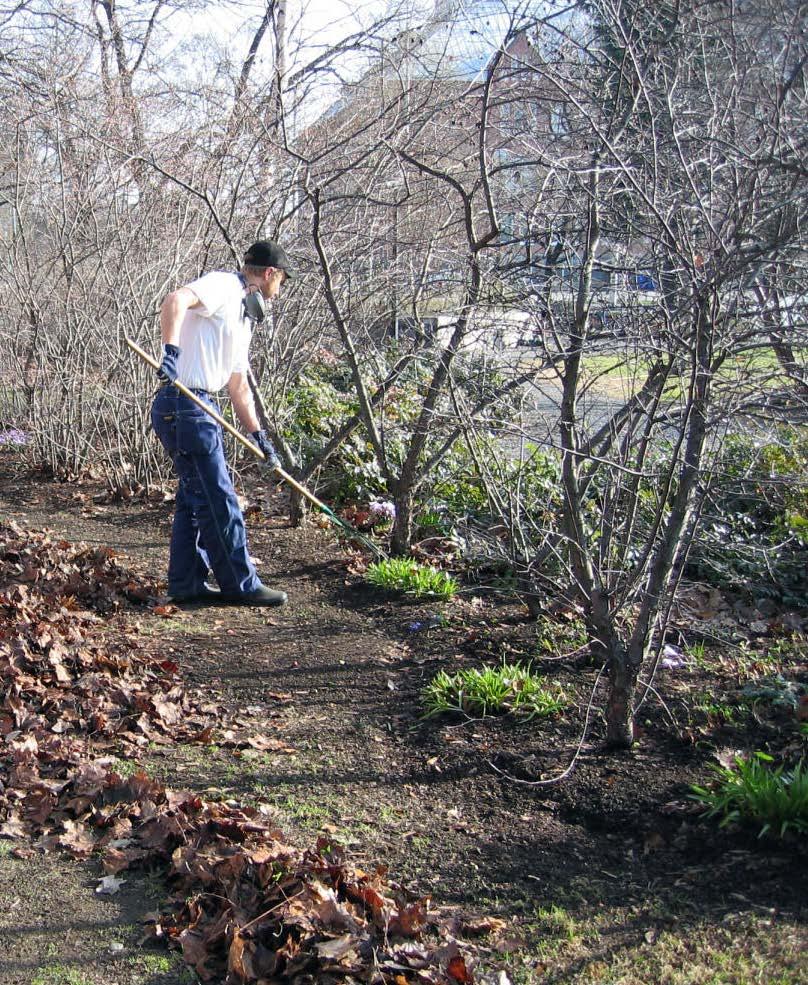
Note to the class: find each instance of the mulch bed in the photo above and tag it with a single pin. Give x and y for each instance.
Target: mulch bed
(428, 845)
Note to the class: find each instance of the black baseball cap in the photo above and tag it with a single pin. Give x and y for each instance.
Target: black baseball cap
(265, 253)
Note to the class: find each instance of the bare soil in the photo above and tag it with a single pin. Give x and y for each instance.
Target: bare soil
(446, 804)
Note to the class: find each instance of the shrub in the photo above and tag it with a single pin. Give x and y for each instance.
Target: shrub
(492, 690)
(457, 491)
(755, 521)
(407, 575)
(751, 792)
(316, 405)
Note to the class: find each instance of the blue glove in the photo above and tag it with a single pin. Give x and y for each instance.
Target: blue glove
(168, 367)
(271, 460)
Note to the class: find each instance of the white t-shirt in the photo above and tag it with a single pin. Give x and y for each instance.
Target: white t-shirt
(214, 338)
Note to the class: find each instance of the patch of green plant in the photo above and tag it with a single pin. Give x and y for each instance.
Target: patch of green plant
(315, 407)
(751, 664)
(755, 519)
(697, 653)
(788, 649)
(57, 974)
(305, 812)
(457, 491)
(125, 767)
(560, 638)
(316, 404)
(714, 709)
(433, 523)
(556, 922)
(493, 690)
(163, 964)
(407, 575)
(458, 495)
(773, 799)
(666, 942)
(776, 691)
(155, 964)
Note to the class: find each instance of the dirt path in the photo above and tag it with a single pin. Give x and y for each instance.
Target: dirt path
(334, 681)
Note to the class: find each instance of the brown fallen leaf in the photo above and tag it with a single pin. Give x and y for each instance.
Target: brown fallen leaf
(239, 958)
(337, 948)
(481, 926)
(77, 839)
(653, 842)
(456, 969)
(13, 826)
(281, 696)
(195, 953)
(263, 743)
(109, 885)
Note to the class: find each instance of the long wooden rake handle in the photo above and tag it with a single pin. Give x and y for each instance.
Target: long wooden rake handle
(229, 428)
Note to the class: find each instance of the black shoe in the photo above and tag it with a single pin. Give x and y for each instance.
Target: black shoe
(206, 595)
(261, 596)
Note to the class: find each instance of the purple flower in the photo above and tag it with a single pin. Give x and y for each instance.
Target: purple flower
(672, 657)
(414, 627)
(381, 509)
(13, 436)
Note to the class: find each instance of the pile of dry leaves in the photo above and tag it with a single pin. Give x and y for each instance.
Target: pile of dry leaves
(246, 906)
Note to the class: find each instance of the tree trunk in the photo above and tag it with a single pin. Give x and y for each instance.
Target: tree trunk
(623, 674)
(401, 537)
(529, 595)
(297, 507)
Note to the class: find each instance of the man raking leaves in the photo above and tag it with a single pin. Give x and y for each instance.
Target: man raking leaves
(206, 328)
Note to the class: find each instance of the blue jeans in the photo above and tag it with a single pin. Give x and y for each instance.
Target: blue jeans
(208, 530)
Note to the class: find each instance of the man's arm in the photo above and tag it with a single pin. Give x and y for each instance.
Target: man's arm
(172, 313)
(242, 399)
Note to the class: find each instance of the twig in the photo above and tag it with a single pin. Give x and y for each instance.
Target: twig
(569, 769)
(272, 909)
(649, 687)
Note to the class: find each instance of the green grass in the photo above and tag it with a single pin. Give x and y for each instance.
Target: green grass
(407, 575)
(717, 711)
(774, 800)
(57, 974)
(556, 925)
(309, 814)
(697, 652)
(788, 650)
(493, 690)
(155, 964)
(649, 944)
(160, 965)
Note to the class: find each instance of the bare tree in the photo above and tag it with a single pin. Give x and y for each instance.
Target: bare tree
(665, 156)
(623, 185)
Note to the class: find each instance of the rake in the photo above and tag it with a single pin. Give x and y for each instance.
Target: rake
(351, 533)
